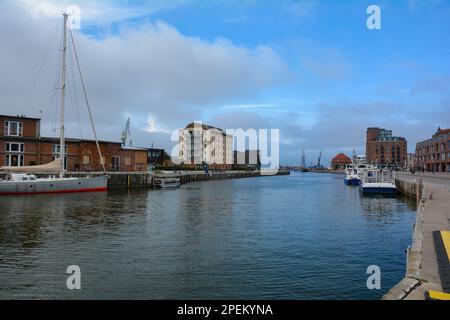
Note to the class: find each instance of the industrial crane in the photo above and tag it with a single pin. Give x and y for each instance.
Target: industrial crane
(303, 165)
(319, 165)
(126, 134)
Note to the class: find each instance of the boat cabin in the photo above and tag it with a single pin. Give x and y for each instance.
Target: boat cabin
(21, 177)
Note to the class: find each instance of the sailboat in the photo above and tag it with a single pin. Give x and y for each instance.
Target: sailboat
(23, 181)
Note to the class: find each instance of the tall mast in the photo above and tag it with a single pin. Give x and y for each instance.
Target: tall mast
(63, 95)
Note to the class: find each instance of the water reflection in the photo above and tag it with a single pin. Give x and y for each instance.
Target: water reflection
(297, 237)
(383, 208)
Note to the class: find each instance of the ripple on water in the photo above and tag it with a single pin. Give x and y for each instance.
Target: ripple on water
(304, 236)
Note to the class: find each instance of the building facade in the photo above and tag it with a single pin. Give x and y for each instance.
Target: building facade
(383, 149)
(248, 158)
(203, 144)
(434, 154)
(340, 161)
(157, 157)
(22, 145)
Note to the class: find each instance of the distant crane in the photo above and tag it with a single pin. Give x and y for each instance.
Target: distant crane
(319, 165)
(303, 165)
(126, 134)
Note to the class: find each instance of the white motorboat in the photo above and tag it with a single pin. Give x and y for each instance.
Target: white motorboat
(378, 182)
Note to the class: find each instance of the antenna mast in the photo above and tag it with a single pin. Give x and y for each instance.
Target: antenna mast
(63, 96)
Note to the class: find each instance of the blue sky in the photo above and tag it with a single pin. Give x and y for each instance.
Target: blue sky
(330, 78)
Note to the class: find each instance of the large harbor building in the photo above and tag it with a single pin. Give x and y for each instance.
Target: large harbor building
(340, 161)
(434, 154)
(21, 144)
(203, 144)
(384, 149)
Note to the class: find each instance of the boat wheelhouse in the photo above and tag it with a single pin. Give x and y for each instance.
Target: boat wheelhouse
(378, 182)
(351, 175)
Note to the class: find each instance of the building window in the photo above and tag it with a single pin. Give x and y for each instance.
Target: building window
(115, 163)
(13, 128)
(56, 148)
(128, 161)
(155, 154)
(15, 147)
(14, 160)
(86, 159)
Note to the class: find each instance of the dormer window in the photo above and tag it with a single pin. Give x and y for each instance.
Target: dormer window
(13, 128)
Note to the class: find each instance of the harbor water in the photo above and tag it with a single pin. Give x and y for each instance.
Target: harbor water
(303, 236)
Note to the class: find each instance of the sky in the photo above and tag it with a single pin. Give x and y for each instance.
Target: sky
(310, 68)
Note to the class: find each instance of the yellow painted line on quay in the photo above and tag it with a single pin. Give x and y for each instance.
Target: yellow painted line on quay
(436, 295)
(446, 240)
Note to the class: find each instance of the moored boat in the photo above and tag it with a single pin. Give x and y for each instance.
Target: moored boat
(377, 182)
(170, 183)
(28, 184)
(22, 181)
(351, 175)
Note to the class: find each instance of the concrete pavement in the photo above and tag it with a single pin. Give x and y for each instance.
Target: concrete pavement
(424, 260)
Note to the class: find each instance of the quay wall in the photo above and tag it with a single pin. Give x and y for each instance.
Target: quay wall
(413, 189)
(186, 178)
(147, 179)
(422, 265)
(410, 188)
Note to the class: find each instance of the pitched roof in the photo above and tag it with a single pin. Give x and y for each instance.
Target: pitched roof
(341, 158)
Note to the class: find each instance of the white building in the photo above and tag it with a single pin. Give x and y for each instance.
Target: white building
(361, 159)
(200, 143)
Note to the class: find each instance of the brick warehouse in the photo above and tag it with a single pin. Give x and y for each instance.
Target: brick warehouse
(22, 145)
(434, 154)
(382, 148)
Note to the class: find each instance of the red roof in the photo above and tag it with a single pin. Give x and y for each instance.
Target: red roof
(341, 158)
(443, 131)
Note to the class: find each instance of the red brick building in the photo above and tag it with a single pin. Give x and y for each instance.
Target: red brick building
(434, 154)
(340, 162)
(382, 148)
(22, 145)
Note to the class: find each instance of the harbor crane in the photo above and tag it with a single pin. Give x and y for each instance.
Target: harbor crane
(126, 134)
(303, 165)
(319, 165)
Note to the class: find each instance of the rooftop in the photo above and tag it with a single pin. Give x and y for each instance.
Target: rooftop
(19, 117)
(341, 157)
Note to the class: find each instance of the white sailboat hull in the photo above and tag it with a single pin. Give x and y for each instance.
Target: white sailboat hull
(55, 185)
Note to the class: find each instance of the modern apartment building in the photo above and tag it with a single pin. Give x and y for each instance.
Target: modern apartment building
(434, 154)
(382, 148)
(204, 144)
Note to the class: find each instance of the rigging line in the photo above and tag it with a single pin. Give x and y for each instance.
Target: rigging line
(44, 59)
(73, 93)
(50, 103)
(87, 101)
(55, 111)
(51, 123)
(25, 84)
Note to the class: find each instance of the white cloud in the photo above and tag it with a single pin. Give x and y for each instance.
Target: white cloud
(153, 127)
(154, 70)
(100, 11)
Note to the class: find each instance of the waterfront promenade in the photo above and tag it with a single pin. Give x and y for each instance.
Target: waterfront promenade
(427, 265)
